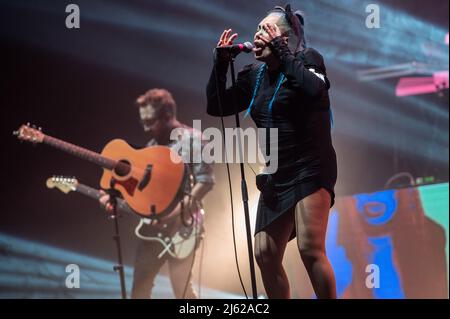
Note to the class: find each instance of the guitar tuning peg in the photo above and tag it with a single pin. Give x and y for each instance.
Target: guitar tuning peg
(33, 126)
(40, 129)
(28, 123)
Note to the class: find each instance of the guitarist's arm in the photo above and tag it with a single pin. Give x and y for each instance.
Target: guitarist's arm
(202, 173)
(191, 202)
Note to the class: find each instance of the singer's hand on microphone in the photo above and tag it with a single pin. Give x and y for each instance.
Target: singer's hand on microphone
(226, 39)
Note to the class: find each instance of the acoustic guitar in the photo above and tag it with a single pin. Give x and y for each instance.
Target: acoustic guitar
(151, 180)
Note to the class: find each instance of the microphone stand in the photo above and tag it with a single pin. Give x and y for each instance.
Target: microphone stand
(244, 190)
(113, 193)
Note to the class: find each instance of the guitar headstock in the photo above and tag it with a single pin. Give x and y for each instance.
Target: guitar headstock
(30, 134)
(64, 184)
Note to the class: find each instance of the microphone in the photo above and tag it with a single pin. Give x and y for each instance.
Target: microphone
(235, 49)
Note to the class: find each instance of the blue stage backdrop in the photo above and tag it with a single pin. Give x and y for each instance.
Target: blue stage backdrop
(391, 244)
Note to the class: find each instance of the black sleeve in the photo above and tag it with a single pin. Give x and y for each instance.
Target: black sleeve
(296, 68)
(243, 91)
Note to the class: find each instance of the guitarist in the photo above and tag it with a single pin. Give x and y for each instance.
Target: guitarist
(157, 111)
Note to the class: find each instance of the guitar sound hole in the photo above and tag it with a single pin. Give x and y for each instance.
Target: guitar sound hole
(122, 168)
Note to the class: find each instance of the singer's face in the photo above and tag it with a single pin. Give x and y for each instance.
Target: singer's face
(262, 52)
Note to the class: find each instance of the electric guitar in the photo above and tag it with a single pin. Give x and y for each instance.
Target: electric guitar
(151, 180)
(177, 239)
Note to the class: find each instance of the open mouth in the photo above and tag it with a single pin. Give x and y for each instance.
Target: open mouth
(257, 50)
(258, 47)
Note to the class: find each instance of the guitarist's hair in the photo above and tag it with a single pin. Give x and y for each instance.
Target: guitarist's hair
(161, 99)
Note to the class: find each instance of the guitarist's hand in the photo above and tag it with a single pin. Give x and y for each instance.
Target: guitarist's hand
(192, 204)
(105, 203)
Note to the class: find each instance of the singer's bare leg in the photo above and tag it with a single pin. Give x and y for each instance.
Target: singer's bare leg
(311, 219)
(270, 245)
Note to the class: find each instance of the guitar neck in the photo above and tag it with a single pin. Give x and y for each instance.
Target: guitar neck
(81, 152)
(95, 194)
(88, 191)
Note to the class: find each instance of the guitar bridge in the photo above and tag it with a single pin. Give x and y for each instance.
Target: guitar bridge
(146, 178)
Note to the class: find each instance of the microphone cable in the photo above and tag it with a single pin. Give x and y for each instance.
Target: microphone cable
(219, 102)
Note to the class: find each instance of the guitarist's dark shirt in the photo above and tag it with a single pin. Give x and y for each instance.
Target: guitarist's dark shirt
(189, 146)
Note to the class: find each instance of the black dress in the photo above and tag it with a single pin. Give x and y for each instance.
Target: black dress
(301, 112)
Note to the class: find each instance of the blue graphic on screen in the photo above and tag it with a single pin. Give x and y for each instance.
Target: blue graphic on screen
(377, 208)
(336, 254)
(390, 285)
